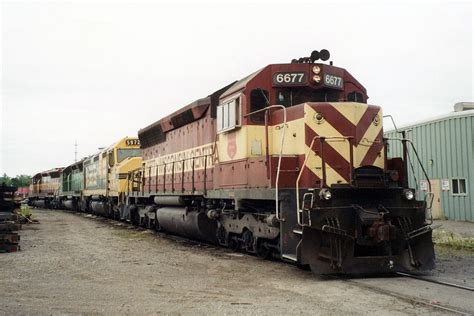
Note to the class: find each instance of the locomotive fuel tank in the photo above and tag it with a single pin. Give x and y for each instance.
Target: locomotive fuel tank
(191, 224)
(70, 204)
(101, 208)
(169, 200)
(40, 203)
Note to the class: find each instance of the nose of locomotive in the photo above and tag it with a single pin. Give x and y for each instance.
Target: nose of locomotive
(343, 136)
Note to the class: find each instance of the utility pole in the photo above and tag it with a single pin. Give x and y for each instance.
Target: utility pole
(75, 151)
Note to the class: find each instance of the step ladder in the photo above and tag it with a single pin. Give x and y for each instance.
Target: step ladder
(303, 219)
(297, 233)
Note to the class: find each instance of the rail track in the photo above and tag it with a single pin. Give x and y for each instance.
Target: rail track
(415, 300)
(417, 277)
(444, 283)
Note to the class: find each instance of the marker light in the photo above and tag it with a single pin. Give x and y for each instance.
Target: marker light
(409, 195)
(394, 176)
(325, 194)
(316, 69)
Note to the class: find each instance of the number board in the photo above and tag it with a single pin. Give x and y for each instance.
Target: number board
(333, 81)
(132, 142)
(289, 78)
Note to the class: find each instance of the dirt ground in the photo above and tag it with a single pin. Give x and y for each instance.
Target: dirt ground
(77, 264)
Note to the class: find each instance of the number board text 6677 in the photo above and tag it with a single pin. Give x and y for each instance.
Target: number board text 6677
(289, 78)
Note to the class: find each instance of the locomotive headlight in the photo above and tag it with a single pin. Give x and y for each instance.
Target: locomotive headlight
(316, 70)
(316, 78)
(408, 194)
(394, 176)
(325, 194)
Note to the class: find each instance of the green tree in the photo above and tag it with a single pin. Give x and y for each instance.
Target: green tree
(21, 180)
(5, 179)
(18, 181)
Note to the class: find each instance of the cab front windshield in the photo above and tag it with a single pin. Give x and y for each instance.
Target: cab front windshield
(128, 152)
(292, 96)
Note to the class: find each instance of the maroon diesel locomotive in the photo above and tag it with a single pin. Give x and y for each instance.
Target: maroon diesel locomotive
(291, 162)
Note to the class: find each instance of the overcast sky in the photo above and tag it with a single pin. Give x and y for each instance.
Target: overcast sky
(97, 72)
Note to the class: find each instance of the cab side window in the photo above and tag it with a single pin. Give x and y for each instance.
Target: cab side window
(355, 96)
(228, 115)
(258, 100)
(111, 158)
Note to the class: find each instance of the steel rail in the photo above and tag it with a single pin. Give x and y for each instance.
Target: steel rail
(406, 298)
(417, 277)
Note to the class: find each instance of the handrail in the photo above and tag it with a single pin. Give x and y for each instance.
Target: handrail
(182, 161)
(298, 180)
(323, 182)
(427, 179)
(277, 204)
(393, 122)
(417, 158)
(429, 193)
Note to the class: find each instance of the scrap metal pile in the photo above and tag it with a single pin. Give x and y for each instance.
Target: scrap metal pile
(9, 224)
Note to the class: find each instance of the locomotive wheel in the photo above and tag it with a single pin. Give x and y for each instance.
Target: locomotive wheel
(82, 206)
(248, 241)
(264, 252)
(110, 210)
(221, 234)
(134, 216)
(156, 225)
(304, 267)
(234, 243)
(117, 211)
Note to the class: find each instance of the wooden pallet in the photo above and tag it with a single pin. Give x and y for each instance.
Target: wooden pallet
(11, 238)
(9, 247)
(9, 226)
(8, 238)
(8, 216)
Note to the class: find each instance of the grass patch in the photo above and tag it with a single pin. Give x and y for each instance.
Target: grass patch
(455, 241)
(130, 234)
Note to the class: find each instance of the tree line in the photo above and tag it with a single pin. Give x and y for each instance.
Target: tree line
(18, 181)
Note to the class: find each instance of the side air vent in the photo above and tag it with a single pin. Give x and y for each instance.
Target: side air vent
(183, 118)
(151, 136)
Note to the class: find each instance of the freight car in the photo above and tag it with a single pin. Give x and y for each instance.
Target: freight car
(290, 161)
(44, 189)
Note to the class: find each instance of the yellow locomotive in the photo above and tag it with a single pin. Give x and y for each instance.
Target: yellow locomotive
(105, 177)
